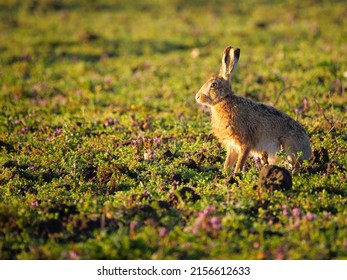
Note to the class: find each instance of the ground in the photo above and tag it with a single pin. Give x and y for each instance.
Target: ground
(104, 153)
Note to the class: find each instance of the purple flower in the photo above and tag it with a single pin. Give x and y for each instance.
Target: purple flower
(175, 183)
(149, 155)
(206, 222)
(34, 203)
(57, 132)
(78, 91)
(109, 122)
(296, 212)
(310, 217)
(73, 255)
(107, 80)
(280, 253)
(157, 141)
(305, 104)
(285, 209)
(25, 129)
(256, 159)
(209, 209)
(297, 110)
(257, 162)
(202, 215)
(146, 193)
(296, 223)
(163, 232)
(135, 143)
(215, 222)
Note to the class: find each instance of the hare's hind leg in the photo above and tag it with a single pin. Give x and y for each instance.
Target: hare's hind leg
(243, 155)
(231, 158)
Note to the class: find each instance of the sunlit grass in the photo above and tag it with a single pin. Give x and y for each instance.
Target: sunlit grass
(104, 152)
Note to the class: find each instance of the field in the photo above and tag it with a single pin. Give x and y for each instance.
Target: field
(105, 154)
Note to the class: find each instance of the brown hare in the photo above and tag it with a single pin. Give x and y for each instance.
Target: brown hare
(246, 127)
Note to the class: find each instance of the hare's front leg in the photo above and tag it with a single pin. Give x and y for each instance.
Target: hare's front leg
(241, 160)
(231, 158)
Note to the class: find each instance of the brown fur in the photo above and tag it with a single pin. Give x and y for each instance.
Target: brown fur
(246, 127)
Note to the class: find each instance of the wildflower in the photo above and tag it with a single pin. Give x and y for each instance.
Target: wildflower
(73, 255)
(57, 132)
(107, 80)
(34, 203)
(215, 222)
(175, 183)
(25, 129)
(135, 143)
(285, 209)
(157, 141)
(110, 122)
(149, 155)
(205, 222)
(146, 193)
(296, 223)
(280, 253)
(297, 110)
(78, 91)
(296, 212)
(310, 217)
(163, 231)
(257, 162)
(305, 104)
(209, 209)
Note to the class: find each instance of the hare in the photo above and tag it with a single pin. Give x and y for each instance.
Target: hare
(246, 127)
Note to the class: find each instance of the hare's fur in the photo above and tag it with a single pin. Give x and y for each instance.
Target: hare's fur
(246, 127)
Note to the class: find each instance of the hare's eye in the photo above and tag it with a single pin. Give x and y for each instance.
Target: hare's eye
(214, 85)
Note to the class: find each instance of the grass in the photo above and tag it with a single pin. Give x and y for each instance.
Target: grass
(104, 153)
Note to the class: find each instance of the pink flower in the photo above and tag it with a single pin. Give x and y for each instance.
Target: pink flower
(163, 232)
(73, 255)
(296, 212)
(296, 223)
(310, 217)
(146, 193)
(285, 209)
(216, 224)
(34, 203)
(107, 80)
(209, 209)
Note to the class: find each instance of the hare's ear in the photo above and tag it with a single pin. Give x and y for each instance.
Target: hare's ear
(229, 61)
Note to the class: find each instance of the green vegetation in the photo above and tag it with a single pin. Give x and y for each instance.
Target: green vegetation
(104, 153)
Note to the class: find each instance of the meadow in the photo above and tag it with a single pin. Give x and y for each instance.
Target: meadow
(105, 154)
